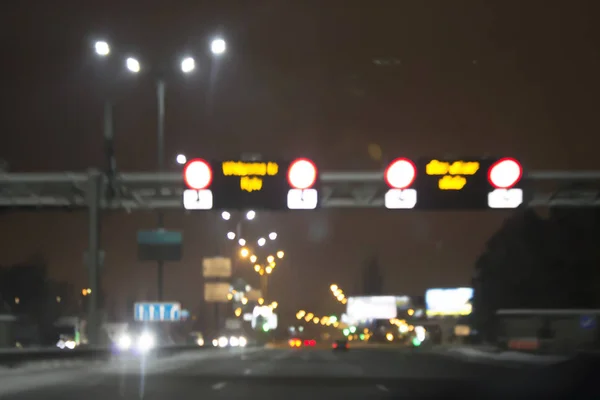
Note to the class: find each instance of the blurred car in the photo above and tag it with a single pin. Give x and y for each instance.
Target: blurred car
(295, 342)
(340, 345)
(310, 343)
(230, 341)
(142, 339)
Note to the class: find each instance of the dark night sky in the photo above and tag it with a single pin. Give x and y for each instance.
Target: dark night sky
(483, 77)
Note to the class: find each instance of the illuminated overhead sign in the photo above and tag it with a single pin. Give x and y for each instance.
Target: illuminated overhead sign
(453, 175)
(462, 183)
(245, 185)
(251, 173)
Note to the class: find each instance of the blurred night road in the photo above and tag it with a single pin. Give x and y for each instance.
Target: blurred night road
(260, 373)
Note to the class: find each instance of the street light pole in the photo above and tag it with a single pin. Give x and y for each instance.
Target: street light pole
(160, 95)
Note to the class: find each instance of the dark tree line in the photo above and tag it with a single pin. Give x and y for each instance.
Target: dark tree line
(536, 261)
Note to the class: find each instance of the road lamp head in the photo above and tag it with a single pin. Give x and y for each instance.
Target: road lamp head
(230, 235)
(102, 48)
(273, 235)
(225, 215)
(218, 46)
(133, 65)
(261, 242)
(181, 159)
(188, 64)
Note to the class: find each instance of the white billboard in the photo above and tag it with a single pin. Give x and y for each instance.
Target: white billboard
(216, 292)
(371, 307)
(449, 301)
(216, 267)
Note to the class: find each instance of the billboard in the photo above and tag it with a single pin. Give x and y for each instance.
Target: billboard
(216, 292)
(216, 267)
(371, 307)
(448, 301)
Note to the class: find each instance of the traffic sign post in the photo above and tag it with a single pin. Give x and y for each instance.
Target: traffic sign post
(244, 185)
(468, 183)
(159, 245)
(157, 312)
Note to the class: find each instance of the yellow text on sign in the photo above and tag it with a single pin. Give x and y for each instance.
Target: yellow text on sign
(251, 183)
(240, 168)
(436, 167)
(250, 173)
(452, 172)
(448, 182)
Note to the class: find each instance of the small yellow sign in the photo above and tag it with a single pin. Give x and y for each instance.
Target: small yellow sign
(436, 167)
(250, 173)
(452, 173)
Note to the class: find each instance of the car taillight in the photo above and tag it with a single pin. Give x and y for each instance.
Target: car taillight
(313, 342)
(335, 345)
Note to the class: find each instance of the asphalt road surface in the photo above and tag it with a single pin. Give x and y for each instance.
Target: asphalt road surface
(267, 374)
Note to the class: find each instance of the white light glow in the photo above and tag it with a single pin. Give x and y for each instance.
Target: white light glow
(218, 46)
(102, 48)
(188, 65)
(133, 65)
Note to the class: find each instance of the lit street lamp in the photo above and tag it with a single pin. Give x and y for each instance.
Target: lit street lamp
(102, 48)
(253, 258)
(242, 242)
(230, 235)
(250, 215)
(133, 65)
(273, 235)
(225, 215)
(262, 241)
(280, 254)
(218, 46)
(188, 64)
(181, 159)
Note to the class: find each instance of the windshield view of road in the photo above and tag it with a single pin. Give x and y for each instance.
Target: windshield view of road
(286, 199)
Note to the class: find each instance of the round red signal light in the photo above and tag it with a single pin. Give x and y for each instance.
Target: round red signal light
(302, 174)
(400, 174)
(505, 173)
(197, 174)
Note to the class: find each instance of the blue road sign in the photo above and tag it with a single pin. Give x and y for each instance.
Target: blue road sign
(159, 237)
(587, 322)
(157, 312)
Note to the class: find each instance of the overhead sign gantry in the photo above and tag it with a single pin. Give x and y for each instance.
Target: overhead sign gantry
(468, 183)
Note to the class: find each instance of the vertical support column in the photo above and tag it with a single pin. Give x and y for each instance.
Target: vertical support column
(93, 194)
(160, 136)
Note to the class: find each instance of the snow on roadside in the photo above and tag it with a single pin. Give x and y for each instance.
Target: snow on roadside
(515, 356)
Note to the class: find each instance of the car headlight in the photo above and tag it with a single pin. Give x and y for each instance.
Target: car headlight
(223, 341)
(124, 342)
(70, 344)
(234, 342)
(146, 342)
(242, 341)
(200, 342)
(215, 342)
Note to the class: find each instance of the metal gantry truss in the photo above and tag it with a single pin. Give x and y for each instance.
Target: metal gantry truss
(95, 191)
(341, 189)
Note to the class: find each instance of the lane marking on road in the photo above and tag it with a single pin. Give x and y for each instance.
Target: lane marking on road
(247, 371)
(219, 386)
(382, 388)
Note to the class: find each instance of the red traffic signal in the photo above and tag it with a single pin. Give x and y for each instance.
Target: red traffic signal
(197, 174)
(400, 173)
(505, 173)
(302, 174)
